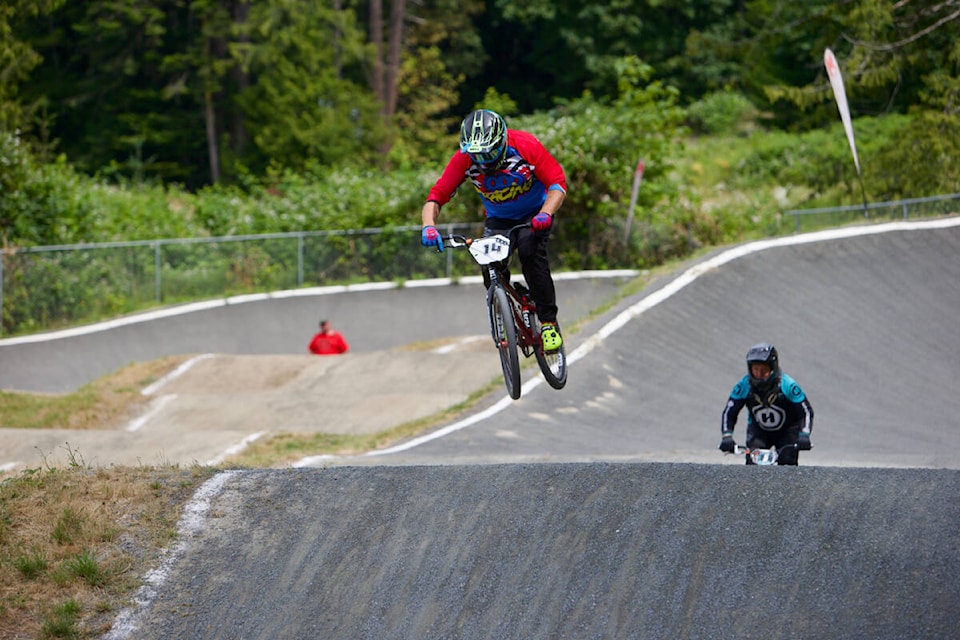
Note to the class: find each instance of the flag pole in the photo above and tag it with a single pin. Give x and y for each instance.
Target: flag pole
(637, 178)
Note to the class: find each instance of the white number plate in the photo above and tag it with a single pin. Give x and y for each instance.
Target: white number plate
(491, 249)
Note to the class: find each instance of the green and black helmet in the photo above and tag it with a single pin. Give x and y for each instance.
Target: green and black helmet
(483, 136)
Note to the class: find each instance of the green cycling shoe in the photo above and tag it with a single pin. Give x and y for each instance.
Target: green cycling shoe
(550, 336)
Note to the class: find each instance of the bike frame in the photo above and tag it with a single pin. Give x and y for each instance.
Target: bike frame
(513, 313)
(523, 307)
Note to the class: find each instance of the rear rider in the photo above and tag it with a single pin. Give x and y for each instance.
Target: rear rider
(518, 181)
(778, 412)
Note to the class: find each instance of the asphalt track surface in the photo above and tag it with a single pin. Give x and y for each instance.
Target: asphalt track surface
(604, 510)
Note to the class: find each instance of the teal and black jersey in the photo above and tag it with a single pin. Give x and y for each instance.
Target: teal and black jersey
(784, 408)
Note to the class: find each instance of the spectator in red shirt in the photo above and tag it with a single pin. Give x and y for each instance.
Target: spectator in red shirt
(328, 342)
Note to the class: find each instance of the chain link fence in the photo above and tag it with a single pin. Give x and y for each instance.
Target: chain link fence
(43, 288)
(812, 219)
(53, 286)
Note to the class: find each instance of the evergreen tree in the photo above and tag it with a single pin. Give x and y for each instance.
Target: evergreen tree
(307, 101)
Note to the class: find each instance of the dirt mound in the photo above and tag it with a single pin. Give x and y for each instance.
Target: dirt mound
(217, 402)
(349, 394)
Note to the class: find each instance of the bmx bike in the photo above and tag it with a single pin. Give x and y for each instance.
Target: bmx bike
(514, 324)
(761, 457)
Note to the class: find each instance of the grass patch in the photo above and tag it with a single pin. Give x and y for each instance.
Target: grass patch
(68, 527)
(92, 535)
(86, 567)
(103, 403)
(62, 621)
(32, 565)
(282, 449)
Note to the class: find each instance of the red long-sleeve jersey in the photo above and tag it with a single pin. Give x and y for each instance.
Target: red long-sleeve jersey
(517, 190)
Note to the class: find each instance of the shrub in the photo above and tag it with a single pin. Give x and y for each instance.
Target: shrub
(599, 146)
(822, 159)
(918, 157)
(722, 113)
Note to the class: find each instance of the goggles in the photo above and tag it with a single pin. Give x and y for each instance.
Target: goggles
(487, 157)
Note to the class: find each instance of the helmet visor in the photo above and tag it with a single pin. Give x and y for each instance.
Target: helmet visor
(486, 157)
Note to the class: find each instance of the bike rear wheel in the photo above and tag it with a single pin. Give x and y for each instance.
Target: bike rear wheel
(553, 365)
(505, 337)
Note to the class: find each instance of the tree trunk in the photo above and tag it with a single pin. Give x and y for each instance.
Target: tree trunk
(337, 48)
(376, 38)
(213, 150)
(241, 80)
(210, 117)
(397, 10)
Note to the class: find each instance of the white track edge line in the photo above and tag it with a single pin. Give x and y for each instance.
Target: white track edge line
(191, 522)
(176, 373)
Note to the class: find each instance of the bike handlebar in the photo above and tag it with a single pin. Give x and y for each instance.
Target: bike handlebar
(740, 449)
(456, 241)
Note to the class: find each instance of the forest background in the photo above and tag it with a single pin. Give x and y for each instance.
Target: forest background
(130, 120)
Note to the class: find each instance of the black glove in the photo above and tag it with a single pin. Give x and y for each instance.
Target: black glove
(803, 444)
(727, 445)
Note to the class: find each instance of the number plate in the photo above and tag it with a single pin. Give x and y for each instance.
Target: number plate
(491, 249)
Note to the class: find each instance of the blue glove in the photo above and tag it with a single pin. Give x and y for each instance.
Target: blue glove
(542, 222)
(803, 444)
(430, 237)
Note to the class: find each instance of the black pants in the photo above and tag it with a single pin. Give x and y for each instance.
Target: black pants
(757, 438)
(532, 251)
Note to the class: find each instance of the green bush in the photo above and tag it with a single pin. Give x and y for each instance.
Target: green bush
(919, 158)
(599, 146)
(822, 159)
(722, 113)
(40, 203)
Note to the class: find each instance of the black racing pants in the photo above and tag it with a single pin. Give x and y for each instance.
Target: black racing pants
(758, 438)
(532, 251)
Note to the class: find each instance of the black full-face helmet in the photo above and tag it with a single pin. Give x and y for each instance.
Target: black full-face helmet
(483, 136)
(766, 353)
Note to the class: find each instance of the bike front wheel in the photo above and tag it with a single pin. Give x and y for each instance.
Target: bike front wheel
(505, 337)
(553, 364)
